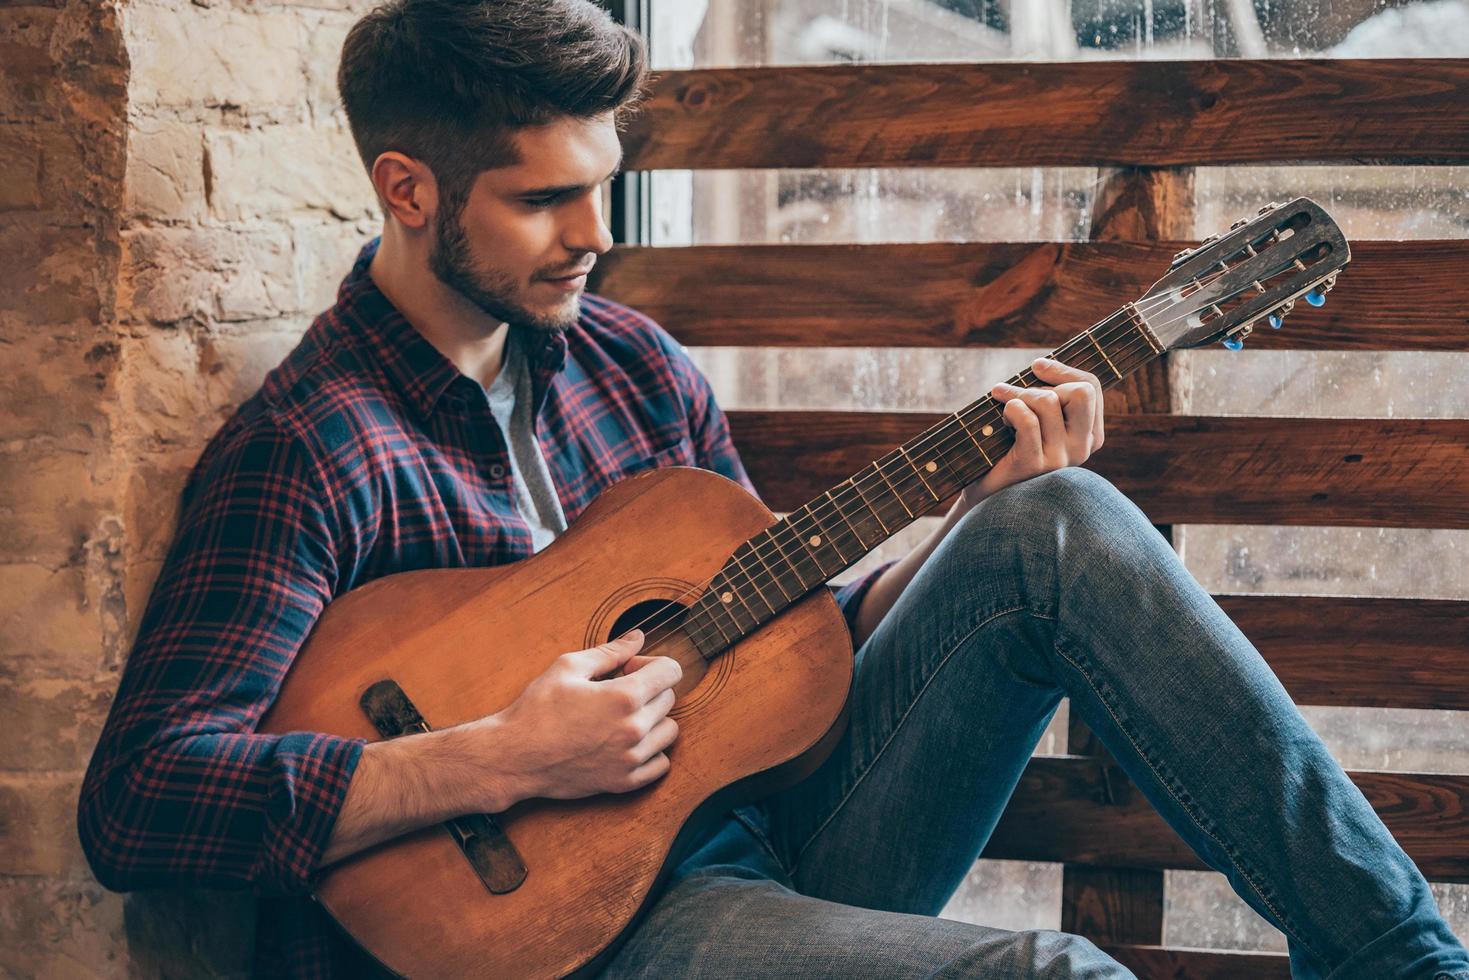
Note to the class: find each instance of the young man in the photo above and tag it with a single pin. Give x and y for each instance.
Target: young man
(465, 400)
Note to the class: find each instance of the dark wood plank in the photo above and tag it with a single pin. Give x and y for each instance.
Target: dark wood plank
(1060, 812)
(1178, 469)
(1177, 963)
(1119, 113)
(1393, 296)
(1119, 905)
(1380, 653)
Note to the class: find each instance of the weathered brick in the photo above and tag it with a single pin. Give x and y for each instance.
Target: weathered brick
(188, 55)
(51, 723)
(25, 39)
(324, 254)
(51, 620)
(165, 174)
(62, 927)
(321, 54)
(54, 502)
(20, 162)
(36, 816)
(51, 274)
(209, 273)
(275, 171)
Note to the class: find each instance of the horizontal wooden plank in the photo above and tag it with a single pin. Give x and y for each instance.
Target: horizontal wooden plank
(1367, 652)
(1057, 814)
(1148, 113)
(1178, 469)
(1006, 295)
(1179, 963)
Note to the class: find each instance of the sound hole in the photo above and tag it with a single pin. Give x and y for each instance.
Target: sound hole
(660, 619)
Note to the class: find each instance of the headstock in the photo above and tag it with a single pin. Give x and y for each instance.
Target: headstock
(1255, 271)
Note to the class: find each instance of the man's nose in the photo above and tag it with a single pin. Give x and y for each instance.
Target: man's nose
(585, 230)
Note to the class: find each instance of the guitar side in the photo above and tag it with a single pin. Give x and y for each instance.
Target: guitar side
(463, 643)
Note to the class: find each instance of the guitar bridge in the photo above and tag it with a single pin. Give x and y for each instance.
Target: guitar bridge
(479, 836)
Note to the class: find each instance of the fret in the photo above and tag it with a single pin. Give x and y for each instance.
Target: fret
(807, 581)
(1088, 333)
(821, 573)
(894, 489)
(843, 516)
(1130, 312)
(751, 579)
(696, 626)
(868, 504)
(755, 549)
(918, 473)
(972, 438)
(714, 605)
(732, 601)
(825, 537)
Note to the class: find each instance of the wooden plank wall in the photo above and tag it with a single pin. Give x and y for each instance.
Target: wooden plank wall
(1149, 122)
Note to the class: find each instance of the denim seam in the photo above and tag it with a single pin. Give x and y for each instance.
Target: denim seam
(1162, 781)
(939, 666)
(759, 835)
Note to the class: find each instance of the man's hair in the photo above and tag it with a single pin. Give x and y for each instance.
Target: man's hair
(448, 82)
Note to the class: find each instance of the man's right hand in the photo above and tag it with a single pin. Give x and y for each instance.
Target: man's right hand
(568, 735)
(574, 735)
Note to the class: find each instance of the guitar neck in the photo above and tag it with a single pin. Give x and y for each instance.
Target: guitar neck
(830, 533)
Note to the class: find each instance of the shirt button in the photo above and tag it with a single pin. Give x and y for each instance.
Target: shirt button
(497, 471)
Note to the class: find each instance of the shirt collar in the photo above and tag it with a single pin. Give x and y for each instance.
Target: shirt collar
(413, 365)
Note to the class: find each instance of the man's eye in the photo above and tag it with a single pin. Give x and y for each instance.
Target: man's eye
(540, 202)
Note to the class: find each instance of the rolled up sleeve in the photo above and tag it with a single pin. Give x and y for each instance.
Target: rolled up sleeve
(181, 789)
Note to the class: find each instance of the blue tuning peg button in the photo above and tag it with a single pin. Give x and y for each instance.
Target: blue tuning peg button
(1233, 343)
(1275, 320)
(1316, 297)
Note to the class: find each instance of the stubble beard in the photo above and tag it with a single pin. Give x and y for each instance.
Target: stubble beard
(452, 262)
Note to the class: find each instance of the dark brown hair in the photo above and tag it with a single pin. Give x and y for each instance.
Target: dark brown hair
(448, 81)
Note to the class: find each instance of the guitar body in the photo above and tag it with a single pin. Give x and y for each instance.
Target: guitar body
(464, 643)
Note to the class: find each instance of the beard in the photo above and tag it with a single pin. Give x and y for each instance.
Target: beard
(453, 263)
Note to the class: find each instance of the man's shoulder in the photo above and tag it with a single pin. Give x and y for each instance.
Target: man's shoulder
(324, 399)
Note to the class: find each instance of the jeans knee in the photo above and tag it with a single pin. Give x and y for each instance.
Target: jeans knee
(1064, 956)
(1033, 510)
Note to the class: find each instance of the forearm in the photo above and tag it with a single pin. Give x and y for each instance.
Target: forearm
(891, 583)
(406, 783)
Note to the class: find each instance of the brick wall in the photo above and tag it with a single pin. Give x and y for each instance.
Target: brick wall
(178, 197)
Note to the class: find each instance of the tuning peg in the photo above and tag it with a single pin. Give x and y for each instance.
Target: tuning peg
(1239, 224)
(1275, 320)
(1316, 297)
(1234, 343)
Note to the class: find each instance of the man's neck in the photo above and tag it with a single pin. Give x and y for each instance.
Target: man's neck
(471, 339)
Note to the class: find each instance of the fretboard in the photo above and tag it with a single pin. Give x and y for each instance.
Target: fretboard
(829, 534)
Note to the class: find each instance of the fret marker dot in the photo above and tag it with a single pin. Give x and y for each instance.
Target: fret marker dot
(815, 540)
(727, 597)
(930, 466)
(988, 430)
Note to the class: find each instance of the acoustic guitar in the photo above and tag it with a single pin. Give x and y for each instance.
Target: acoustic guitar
(548, 887)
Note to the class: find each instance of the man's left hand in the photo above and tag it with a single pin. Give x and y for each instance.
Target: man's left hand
(1055, 426)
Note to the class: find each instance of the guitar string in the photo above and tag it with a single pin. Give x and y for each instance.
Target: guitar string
(908, 481)
(946, 445)
(653, 638)
(777, 554)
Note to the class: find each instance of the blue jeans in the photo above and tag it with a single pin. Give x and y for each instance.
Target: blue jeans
(1058, 586)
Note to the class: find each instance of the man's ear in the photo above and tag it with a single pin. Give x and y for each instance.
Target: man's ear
(406, 188)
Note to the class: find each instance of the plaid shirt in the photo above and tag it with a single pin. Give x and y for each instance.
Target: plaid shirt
(366, 452)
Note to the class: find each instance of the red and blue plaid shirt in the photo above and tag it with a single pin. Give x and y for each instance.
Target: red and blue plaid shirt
(366, 452)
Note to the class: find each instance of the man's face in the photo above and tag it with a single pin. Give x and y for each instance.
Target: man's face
(528, 225)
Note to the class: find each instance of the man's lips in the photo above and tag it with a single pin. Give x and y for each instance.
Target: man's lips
(570, 275)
